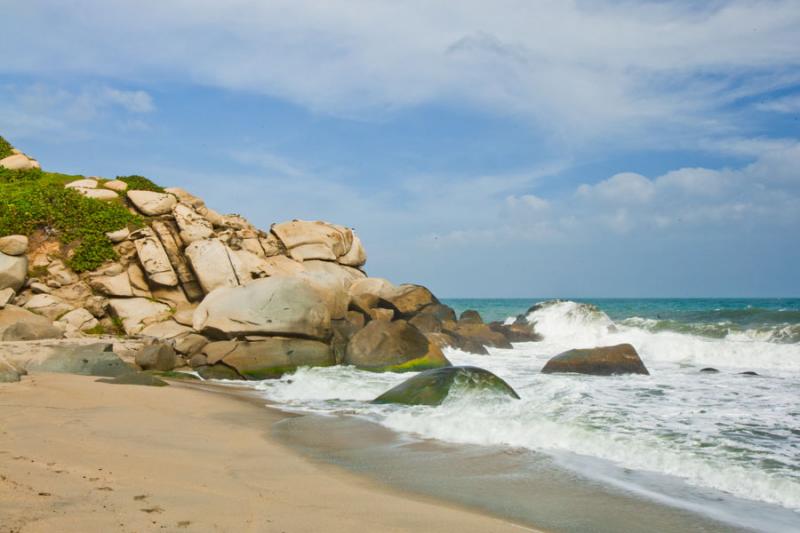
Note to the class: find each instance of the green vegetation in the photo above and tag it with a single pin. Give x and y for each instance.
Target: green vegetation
(140, 183)
(36, 200)
(5, 148)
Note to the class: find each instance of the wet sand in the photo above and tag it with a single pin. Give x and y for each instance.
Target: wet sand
(519, 485)
(77, 455)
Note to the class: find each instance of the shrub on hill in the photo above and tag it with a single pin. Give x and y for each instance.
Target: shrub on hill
(5, 148)
(140, 183)
(36, 200)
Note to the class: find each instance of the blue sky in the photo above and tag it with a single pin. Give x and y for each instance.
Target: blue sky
(508, 148)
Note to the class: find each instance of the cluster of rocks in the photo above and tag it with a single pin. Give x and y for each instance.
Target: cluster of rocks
(230, 300)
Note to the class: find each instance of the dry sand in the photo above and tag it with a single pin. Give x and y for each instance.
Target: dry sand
(82, 456)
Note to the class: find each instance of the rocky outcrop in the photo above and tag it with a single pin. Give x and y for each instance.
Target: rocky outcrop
(281, 305)
(433, 386)
(602, 361)
(8, 372)
(393, 346)
(230, 299)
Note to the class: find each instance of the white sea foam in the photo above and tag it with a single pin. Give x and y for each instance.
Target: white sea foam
(725, 431)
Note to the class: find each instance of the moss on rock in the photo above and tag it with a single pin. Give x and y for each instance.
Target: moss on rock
(433, 386)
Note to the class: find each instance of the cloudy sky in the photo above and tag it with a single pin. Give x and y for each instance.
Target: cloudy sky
(507, 148)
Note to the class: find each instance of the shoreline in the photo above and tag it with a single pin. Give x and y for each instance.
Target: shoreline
(86, 456)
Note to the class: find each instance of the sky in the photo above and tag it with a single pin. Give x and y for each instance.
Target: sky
(509, 148)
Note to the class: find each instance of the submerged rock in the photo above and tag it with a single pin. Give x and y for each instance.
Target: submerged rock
(749, 373)
(709, 370)
(394, 347)
(600, 361)
(432, 386)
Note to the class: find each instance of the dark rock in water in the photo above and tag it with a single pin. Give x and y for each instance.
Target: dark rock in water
(158, 356)
(477, 332)
(709, 370)
(432, 386)
(89, 360)
(749, 373)
(470, 316)
(601, 361)
(218, 371)
(516, 332)
(394, 347)
(135, 378)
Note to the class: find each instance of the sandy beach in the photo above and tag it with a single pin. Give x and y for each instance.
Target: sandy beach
(77, 455)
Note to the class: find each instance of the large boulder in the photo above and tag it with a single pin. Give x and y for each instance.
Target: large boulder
(157, 356)
(18, 324)
(152, 203)
(13, 271)
(87, 360)
(279, 305)
(14, 244)
(214, 264)
(137, 313)
(601, 361)
(78, 320)
(271, 357)
(193, 226)
(336, 279)
(516, 332)
(313, 240)
(356, 256)
(153, 258)
(19, 162)
(432, 386)
(408, 299)
(479, 333)
(393, 346)
(118, 285)
(48, 305)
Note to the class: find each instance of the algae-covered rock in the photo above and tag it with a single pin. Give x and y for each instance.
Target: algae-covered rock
(271, 357)
(601, 361)
(218, 371)
(394, 347)
(89, 360)
(135, 378)
(432, 386)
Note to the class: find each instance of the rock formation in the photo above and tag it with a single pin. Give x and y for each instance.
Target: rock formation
(230, 299)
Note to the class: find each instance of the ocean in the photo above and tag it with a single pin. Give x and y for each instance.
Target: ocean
(710, 442)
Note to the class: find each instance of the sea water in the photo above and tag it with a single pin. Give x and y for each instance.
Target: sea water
(679, 433)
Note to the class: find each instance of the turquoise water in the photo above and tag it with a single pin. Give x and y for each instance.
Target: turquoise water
(778, 318)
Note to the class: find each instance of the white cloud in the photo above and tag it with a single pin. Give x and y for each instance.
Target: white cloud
(38, 109)
(786, 104)
(623, 188)
(576, 69)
